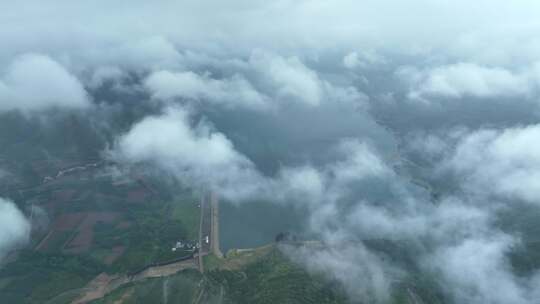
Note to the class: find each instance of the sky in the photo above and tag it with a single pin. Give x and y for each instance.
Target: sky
(346, 108)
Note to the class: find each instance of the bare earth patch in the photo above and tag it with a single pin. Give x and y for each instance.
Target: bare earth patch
(103, 284)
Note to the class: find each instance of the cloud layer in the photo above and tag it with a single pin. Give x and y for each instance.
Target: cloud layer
(320, 110)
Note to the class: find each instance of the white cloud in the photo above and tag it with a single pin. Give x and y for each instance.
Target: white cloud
(446, 234)
(433, 146)
(14, 227)
(361, 161)
(477, 271)
(454, 241)
(289, 77)
(451, 220)
(198, 155)
(504, 163)
(306, 183)
(362, 273)
(469, 80)
(170, 137)
(274, 81)
(36, 82)
(355, 163)
(495, 43)
(191, 151)
(231, 92)
(415, 26)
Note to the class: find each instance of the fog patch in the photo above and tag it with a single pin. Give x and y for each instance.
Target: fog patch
(461, 80)
(14, 227)
(500, 162)
(37, 82)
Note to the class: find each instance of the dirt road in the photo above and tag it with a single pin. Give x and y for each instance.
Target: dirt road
(104, 284)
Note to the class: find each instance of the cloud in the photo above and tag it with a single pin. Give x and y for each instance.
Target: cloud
(197, 147)
(355, 163)
(499, 162)
(263, 82)
(197, 154)
(326, 153)
(288, 77)
(204, 157)
(362, 273)
(361, 161)
(14, 227)
(455, 242)
(478, 271)
(306, 182)
(451, 219)
(154, 137)
(311, 25)
(460, 80)
(191, 151)
(231, 92)
(36, 82)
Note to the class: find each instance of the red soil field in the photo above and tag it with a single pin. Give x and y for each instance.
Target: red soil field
(85, 235)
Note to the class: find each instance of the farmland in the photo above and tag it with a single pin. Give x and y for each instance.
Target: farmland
(91, 223)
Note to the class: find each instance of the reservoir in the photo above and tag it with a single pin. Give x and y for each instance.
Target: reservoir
(256, 223)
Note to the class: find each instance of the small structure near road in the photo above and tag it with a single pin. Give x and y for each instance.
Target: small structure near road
(186, 245)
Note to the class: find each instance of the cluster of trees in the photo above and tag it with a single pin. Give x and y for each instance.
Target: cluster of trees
(275, 279)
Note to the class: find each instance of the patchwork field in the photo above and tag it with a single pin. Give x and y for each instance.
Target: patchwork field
(92, 224)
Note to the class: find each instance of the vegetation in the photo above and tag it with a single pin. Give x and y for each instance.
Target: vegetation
(211, 262)
(37, 277)
(152, 237)
(142, 233)
(180, 288)
(269, 278)
(186, 211)
(275, 279)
